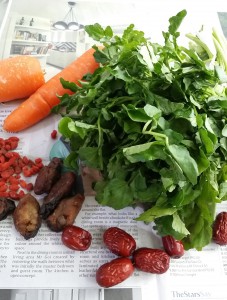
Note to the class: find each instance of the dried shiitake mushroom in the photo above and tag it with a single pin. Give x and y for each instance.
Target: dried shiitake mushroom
(7, 207)
(47, 176)
(26, 216)
(65, 213)
(61, 189)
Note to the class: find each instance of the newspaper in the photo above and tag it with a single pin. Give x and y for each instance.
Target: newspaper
(44, 262)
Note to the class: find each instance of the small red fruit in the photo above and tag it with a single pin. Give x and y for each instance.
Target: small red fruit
(119, 241)
(173, 247)
(220, 229)
(54, 134)
(76, 238)
(114, 272)
(151, 260)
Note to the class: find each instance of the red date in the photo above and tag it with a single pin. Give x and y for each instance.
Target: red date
(76, 238)
(114, 272)
(151, 260)
(119, 241)
(220, 229)
(173, 247)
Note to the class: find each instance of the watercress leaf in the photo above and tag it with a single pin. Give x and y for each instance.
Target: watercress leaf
(97, 32)
(178, 225)
(156, 212)
(115, 193)
(185, 195)
(224, 131)
(223, 191)
(71, 161)
(185, 161)
(200, 234)
(175, 21)
(167, 107)
(63, 127)
(137, 114)
(164, 226)
(90, 156)
(69, 85)
(201, 159)
(145, 152)
(80, 128)
(142, 191)
(206, 140)
(152, 111)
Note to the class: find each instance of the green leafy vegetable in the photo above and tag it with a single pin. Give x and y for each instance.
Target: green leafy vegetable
(152, 119)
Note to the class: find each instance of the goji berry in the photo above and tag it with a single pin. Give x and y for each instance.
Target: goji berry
(7, 173)
(14, 195)
(25, 160)
(40, 165)
(13, 144)
(2, 159)
(29, 186)
(13, 180)
(3, 151)
(17, 169)
(12, 165)
(13, 138)
(14, 187)
(26, 171)
(34, 169)
(3, 188)
(4, 166)
(54, 134)
(21, 194)
(4, 194)
(23, 183)
(38, 160)
(21, 163)
(7, 147)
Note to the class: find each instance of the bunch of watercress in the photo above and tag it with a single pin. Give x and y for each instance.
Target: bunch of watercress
(152, 119)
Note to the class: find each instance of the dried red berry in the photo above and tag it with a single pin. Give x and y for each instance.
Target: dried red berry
(29, 186)
(151, 260)
(12, 164)
(54, 134)
(173, 247)
(119, 241)
(76, 238)
(220, 229)
(114, 272)
(14, 187)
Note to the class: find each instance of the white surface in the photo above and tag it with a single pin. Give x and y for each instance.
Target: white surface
(60, 59)
(113, 11)
(4, 11)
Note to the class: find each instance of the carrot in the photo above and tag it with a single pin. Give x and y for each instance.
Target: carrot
(20, 77)
(39, 105)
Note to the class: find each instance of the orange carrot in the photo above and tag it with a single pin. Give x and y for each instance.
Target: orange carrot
(39, 105)
(20, 77)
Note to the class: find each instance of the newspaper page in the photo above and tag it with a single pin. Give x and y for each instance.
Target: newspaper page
(44, 262)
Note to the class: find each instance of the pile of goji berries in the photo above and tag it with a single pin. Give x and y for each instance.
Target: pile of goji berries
(13, 168)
